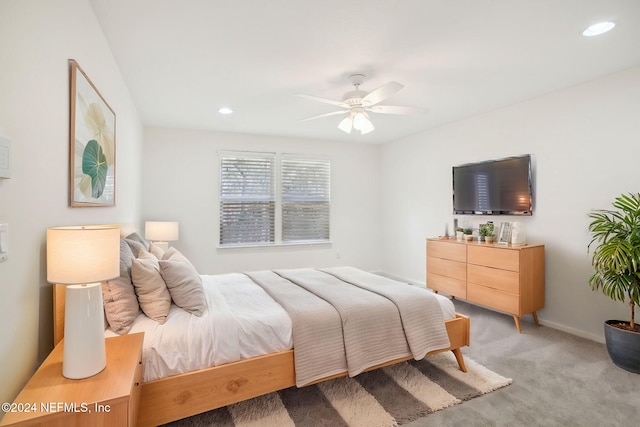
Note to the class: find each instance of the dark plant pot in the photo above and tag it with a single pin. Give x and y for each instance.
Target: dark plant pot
(623, 346)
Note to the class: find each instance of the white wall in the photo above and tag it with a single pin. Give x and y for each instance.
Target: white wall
(181, 183)
(585, 141)
(36, 40)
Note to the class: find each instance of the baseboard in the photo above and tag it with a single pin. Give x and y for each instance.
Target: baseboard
(573, 331)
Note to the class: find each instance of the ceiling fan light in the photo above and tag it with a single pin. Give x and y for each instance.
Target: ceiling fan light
(362, 123)
(346, 124)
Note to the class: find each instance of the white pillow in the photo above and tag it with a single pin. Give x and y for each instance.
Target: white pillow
(183, 281)
(153, 296)
(120, 302)
(156, 250)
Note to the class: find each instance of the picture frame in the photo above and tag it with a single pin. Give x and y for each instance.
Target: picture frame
(505, 233)
(92, 144)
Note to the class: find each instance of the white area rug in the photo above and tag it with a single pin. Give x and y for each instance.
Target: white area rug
(387, 397)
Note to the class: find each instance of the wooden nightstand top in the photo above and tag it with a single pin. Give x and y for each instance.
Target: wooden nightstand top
(47, 392)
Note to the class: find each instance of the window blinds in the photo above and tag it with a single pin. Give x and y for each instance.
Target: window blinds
(305, 199)
(247, 199)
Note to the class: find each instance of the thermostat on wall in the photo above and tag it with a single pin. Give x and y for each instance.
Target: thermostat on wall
(5, 157)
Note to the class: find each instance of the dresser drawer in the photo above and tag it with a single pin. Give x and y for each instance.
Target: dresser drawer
(453, 287)
(506, 259)
(447, 250)
(498, 300)
(445, 267)
(503, 280)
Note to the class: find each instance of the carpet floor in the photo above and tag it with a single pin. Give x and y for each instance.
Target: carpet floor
(559, 379)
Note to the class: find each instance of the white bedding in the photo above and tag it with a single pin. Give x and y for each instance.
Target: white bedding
(242, 321)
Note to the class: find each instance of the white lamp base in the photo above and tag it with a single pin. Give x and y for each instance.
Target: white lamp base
(84, 351)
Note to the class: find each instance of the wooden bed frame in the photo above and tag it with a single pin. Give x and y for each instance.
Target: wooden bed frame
(179, 396)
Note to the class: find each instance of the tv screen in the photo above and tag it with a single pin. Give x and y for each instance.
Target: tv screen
(494, 187)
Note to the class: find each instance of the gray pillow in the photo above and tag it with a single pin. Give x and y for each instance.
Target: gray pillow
(139, 238)
(153, 296)
(135, 246)
(120, 303)
(183, 281)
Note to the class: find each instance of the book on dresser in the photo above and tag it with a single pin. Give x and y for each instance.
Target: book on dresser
(505, 278)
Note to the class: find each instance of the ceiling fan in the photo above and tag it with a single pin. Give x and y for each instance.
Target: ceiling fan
(357, 103)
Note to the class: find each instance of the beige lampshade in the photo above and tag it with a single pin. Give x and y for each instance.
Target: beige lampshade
(82, 254)
(161, 231)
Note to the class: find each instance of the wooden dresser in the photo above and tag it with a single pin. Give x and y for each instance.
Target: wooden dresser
(505, 278)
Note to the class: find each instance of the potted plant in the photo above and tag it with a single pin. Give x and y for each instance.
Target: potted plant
(486, 232)
(460, 233)
(616, 261)
(468, 234)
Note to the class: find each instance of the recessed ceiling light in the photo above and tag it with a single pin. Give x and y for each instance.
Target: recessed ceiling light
(599, 28)
(225, 110)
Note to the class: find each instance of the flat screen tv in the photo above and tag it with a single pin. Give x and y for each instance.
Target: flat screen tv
(494, 187)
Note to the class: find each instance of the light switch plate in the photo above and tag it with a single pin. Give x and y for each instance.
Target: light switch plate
(5, 157)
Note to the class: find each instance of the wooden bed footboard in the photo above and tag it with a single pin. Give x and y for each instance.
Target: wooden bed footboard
(179, 396)
(172, 398)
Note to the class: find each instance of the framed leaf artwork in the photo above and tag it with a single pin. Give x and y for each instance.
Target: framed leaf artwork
(92, 150)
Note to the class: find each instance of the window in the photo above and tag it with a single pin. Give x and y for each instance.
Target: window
(305, 200)
(247, 199)
(250, 207)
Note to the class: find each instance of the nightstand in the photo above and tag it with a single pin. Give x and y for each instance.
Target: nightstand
(109, 398)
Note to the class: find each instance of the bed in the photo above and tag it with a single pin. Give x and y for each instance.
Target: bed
(168, 395)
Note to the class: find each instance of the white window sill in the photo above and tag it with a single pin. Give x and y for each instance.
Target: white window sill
(277, 245)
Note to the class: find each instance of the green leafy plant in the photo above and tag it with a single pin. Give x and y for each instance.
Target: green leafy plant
(616, 257)
(468, 231)
(486, 229)
(94, 164)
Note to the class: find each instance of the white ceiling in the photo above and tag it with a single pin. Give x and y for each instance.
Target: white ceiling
(183, 59)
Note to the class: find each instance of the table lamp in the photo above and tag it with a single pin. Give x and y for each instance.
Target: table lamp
(82, 257)
(161, 233)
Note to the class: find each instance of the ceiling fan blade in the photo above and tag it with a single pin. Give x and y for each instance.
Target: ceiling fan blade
(333, 113)
(325, 100)
(395, 109)
(382, 93)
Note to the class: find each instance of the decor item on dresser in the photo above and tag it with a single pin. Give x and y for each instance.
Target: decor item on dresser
(161, 232)
(468, 234)
(518, 236)
(92, 153)
(616, 261)
(485, 230)
(82, 257)
(505, 233)
(505, 278)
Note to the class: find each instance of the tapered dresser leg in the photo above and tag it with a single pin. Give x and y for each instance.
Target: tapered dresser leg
(517, 320)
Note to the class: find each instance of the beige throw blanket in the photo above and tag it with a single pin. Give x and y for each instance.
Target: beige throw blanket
(419, 310)
(316, 328)
(380, 319)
